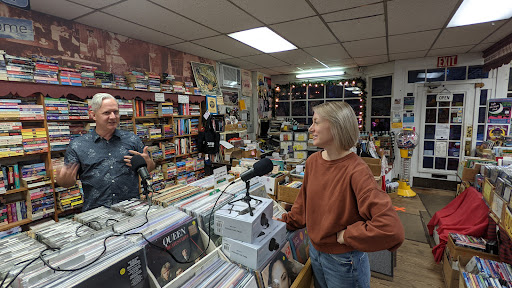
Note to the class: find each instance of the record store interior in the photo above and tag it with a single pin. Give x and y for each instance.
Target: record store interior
(255, 144)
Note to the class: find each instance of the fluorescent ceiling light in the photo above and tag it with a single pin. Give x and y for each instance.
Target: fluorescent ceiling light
(352, 88)
(263, 39)
(320, 74)
(480, 11)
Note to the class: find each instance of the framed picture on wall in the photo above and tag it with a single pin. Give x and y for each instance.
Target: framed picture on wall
(206, 78)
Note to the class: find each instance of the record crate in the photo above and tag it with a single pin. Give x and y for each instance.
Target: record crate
(288, 194)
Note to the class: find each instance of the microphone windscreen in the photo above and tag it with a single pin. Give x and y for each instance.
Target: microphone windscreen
(137, 162)
(263, 167)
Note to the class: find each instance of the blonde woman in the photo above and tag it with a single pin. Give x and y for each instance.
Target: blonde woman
(344, 210)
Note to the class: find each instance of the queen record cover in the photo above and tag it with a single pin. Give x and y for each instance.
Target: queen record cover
(184, 243)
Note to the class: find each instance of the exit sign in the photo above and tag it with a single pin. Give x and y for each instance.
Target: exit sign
(447, 61)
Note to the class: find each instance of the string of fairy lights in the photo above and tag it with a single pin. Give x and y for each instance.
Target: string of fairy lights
(357, 86)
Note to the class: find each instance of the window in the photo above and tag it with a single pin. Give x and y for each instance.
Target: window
(381, 103)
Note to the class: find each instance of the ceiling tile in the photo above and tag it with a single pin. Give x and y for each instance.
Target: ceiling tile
(365, 48)
(328, 52)
(59, 8)
(324, 6)
(271, 11)
(501, 33)
(372, 60)
(227, 45)
(96, 4)
(219, 15)
(194, 49)
(405, 16)
(174, 24)
(449, 50)
(407, 55)
(412, 41)
(312, 66)
(341, 63)
(295, 57)
(464, 35)
(289, 69)
(353, 13)
(480, 47)
(264, 60)
(240, 63)
(119, 26)
(351, 30)
(266, 71)
(305, 32)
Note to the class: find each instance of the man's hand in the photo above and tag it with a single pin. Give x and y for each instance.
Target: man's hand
(66, 176)
(149, 162)
(340, 238)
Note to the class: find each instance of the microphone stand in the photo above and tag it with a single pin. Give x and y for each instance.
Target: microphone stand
(247, 198)
(147, 188)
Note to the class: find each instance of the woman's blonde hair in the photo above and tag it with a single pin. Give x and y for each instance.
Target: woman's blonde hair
(343, 122)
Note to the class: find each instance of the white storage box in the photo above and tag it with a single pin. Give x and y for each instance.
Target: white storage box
(286, 136)
(300, 154)
(298, 145)
(301, 136)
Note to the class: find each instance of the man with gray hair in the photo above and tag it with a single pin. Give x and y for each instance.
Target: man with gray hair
(102, 158)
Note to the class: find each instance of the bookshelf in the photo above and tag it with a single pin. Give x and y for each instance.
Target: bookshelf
(39, 92)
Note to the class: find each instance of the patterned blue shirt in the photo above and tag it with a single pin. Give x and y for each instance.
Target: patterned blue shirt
(106, 179)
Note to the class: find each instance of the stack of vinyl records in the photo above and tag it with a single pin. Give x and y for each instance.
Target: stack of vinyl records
(63, 233)
(122, 265)
(101, 217)
(221, 273)
(16, 249)
(134, 207)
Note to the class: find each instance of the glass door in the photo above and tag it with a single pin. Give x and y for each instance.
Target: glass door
(445, 115)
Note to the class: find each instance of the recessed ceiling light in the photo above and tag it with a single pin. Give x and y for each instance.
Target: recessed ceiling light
(479, 11)
(263, 39)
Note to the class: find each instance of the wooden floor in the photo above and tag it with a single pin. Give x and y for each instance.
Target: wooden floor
(415, 265)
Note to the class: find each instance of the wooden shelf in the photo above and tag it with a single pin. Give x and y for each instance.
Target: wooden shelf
(187, 116)
(22, 189)
(158, 139)
(70, 120)
(146, 117)
(185, 135)
(15, 224)
(24, 155)
(19, 120)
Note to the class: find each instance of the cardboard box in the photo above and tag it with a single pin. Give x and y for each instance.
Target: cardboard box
(374, 164)
(305, 277)
(271, 183)
(455, 256)
(254, 255)
(255, 153)
(234, 220)
(233, 153)
(288, 194)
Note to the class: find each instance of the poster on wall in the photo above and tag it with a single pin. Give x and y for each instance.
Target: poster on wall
(230, 97)
(212, 104)
(261, 87)
(409, 103)
(499, 111)
(206, 78)
(495, 132)
(15, 28)
(408, 117)
(246, 83)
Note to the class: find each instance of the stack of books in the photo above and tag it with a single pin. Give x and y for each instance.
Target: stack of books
(78, 110)
(11, 141)
(137, 80)
(477, 243)
(57, 108)
(59, 135)
(13, 212)
(77, 129)
(182, 126)
(165, 109)
(70, 76)
(34, 140)
(31, 111)
(126, 125)
(151, 109)
(35, 178)
(125, 107)
(120, 82)
(69, 198)
(104, 79)
(168, 150)
(46, 70)
(10, 109)
(153, 82)
(167, 130)
(19, 68)
(194, 110)
(11, 177)
(194, 126)
(87, 75)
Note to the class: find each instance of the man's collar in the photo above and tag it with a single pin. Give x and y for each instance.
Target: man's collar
(96, 137)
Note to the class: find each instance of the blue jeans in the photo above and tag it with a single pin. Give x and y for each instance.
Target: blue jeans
(350, 270)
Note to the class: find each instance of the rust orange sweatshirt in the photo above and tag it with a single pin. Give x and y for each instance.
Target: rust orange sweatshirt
(343, 194)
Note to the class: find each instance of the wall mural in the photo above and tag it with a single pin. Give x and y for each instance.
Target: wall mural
(74, 43)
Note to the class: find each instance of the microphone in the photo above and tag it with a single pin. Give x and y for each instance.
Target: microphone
(259, 168)
(140, 166)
